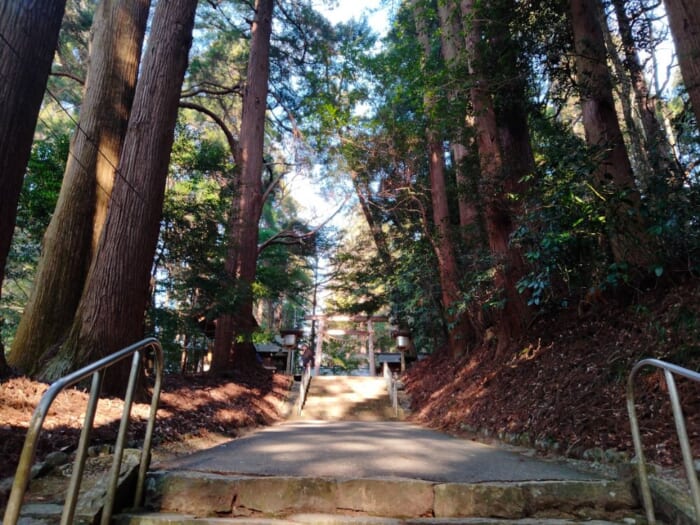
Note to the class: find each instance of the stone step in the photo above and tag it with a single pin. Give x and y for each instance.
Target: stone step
(333, 519)
(230, 496)
(332, 398)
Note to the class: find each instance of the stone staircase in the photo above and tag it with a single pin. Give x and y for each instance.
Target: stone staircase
(197, 494)
(195, 498)
(347, 398)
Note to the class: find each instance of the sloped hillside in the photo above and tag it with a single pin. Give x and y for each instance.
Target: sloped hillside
(562, 388)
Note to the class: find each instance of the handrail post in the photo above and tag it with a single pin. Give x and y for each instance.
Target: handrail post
(81, 453)
(684, 441)
(642, 473)
(150, 426)
(669, 369)
(121, 438)
(23, 472)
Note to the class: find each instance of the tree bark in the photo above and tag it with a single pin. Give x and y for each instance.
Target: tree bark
(111, 310)
(29, 32)
(623, 92)
(241, 263)
(613, 176)
(684, 21)
(362, 190)
(658, 147)
(460, 335)
(500, 175)
(72, 235)
(452, 51)
(514, 137)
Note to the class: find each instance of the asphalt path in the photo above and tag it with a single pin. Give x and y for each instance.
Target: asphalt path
(359, 449)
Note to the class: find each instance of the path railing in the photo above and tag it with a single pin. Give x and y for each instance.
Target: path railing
(392, 388)
(95, 370)
(669, 371)
(303, 388)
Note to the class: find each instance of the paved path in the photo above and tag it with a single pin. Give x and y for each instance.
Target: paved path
(362, 449)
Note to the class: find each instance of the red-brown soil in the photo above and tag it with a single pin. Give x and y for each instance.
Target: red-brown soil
(565, 382)
(192, 409)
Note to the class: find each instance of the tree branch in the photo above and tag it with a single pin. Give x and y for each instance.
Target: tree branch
(68, 75)
(232, 142)
(212, 89)
(289, 237)
(273, 183)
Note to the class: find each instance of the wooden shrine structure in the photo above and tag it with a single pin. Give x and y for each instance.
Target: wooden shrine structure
(323, 328)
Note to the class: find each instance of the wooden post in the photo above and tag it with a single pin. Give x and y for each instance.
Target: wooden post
(370, 348)
(319, 345)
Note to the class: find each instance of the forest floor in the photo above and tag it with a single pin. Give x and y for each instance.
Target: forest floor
(194, 412)
(560, 389)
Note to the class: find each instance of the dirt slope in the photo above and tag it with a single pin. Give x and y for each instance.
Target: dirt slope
(193, 409)
(563, 386)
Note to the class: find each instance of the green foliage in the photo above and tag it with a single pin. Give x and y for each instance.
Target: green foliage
(339, 356)
(192, 288)
(676, 218)
(415, 295)
(189, 263)
(562, 232)
(42, 183)
(72, 52)
(38, 197)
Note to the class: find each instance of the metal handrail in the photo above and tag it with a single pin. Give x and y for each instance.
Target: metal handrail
(304, 388)
(669, 370)
(22, 475)
(392, 388)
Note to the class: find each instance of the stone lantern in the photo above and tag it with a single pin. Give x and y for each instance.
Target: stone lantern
(403, 341)
(290, 337)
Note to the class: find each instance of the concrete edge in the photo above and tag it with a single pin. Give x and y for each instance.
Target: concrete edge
(328, 519)
(671, 503)
(190, 492)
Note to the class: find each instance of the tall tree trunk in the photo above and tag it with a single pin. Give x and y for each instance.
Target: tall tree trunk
(222, 356)
(684, 21)
(242, 259)
(658, 146)
(72, 235)
(452, 51)
(630, 124)
(628, 240)
(111, 311)
(29, 33)
(460, 335)
(498, 180)
(362, 190)
(514, 137)
(519, 167)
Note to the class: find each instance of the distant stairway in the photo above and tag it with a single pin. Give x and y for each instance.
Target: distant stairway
(347, 398)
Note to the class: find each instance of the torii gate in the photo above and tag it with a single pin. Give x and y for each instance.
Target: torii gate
(322, 330)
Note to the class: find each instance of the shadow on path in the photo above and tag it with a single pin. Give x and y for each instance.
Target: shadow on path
(362, 449)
